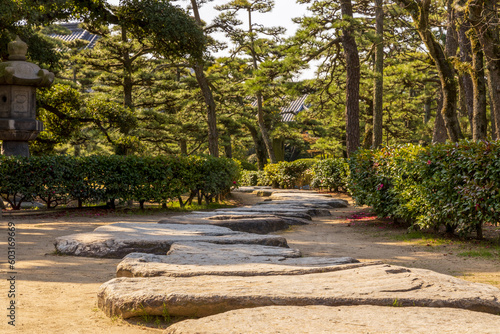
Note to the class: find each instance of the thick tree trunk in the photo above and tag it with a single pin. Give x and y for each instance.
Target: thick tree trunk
(484, 18)
(183, 146)
(419, 11)
(427, 110)
(352, 79)
(260, 149)
(466, 87)
(439, 134)
(228, 147)
(492, 116)
(479, 120)
(378, 85)
(213, 136)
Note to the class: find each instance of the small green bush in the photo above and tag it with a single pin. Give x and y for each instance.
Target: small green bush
(288, 174)
(250, 178)
(331, 174)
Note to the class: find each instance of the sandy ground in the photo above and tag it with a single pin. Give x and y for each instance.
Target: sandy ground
(58, 294)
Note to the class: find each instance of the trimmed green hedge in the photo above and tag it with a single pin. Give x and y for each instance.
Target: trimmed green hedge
(456, 185)
(59, 179)
(328, 174)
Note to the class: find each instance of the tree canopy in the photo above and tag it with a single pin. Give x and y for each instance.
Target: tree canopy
(390, 72)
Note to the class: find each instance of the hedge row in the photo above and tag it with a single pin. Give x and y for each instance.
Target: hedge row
(330, 174)
(455, 185)
(60, 179)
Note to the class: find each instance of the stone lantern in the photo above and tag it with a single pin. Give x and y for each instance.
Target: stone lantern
(18, 82)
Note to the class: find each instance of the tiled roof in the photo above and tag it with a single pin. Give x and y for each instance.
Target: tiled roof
(289, 112)
(77, 33)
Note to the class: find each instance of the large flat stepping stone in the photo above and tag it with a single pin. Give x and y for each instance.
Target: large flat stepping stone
(195, 259)
(292, 219)
(260, 224)
(341, 320)
(297, 195)
(118, 240)
(283, 210)
(250, 189)
(313, 203)
(380, 285)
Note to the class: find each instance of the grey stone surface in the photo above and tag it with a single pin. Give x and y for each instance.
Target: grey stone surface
(250, 189)
(118, 240)
(380, 285)
(18, 82)
(195, 259)
(262, 193)
(280, 210)
(204, 250)
(256, 223)
(242, 211)
(297, 195)
(314, 203)
(342, 320)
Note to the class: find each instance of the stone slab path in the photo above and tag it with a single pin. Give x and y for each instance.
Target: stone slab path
(269, 216)
(118, 240)
(200, 258)
(380, 285)
(341, 320)
(252, 223)
(244, 282)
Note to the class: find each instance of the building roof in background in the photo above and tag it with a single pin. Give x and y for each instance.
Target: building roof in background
(77, 33)
(289, 112)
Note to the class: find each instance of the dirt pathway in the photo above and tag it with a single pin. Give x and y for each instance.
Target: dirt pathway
(57, 294)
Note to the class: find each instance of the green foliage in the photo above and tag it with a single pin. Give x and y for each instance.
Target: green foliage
(288, 174)
(455, 185)
(331, 174)
(253, 178)
(59, 179)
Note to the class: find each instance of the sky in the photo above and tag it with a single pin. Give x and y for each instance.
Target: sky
(281, 15)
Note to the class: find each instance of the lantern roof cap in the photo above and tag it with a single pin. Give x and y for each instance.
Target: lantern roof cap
(17, 71)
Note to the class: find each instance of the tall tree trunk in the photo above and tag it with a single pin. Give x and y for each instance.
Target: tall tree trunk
(352, 79)
(263, 130)
(419, 12)
(260, 149)
(427, 110)
(260, 110)
(479, 120)
(183, 146)
(378, 85)
(228, 147)
(213, 136)
(439, 134)
(492, 119)
(466, 88)
(484, 19)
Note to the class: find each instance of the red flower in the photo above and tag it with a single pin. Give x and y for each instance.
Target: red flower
(429, 162)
